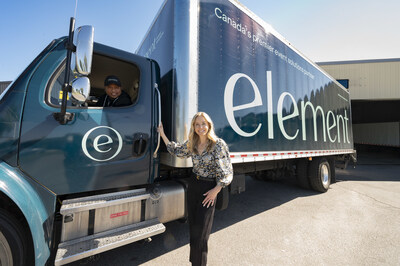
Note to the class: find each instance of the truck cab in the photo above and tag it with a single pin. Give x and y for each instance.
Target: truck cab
(71, 190)
(101, 147)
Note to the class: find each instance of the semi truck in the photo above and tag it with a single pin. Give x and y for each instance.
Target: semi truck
(77, 179)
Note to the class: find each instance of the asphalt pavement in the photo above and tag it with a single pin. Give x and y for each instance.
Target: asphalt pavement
(357, 222)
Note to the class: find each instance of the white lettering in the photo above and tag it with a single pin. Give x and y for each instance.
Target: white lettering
(317, 113)
(230, 109)
(338, 118)
(270, 107)
(219, 12)
(292, 115)
(330, 113)
(96, 143)
(314, 113)
(231, 21)
(347, 130)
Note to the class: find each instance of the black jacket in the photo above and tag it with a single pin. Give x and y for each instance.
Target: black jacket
(122, 100)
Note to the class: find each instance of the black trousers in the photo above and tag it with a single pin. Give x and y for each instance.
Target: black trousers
(200, 220)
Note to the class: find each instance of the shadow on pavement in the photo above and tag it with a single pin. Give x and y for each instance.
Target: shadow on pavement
(372, 166)
(260, 196)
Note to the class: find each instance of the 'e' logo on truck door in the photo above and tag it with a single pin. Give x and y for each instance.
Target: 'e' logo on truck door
(102, 143)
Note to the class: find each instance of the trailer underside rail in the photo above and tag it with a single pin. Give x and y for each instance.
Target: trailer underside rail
(242, 157)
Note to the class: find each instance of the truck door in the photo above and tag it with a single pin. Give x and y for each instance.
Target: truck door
(102, 147)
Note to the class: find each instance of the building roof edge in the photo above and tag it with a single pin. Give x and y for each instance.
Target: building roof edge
(359, 61)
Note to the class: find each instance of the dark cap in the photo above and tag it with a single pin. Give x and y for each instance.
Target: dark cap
(112, 80)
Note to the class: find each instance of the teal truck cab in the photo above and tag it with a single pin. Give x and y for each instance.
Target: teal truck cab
(83, 181)
(77, 179)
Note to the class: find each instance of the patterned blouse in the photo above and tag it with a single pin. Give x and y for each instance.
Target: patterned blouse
(214, 164)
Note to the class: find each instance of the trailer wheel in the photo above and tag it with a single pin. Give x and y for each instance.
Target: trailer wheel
(14, 250)
(302, 174)
(331, 162)
(320, 174)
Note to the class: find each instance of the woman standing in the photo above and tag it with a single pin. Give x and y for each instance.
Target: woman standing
(212, 170)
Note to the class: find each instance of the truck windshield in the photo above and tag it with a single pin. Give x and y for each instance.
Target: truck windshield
(55, 88)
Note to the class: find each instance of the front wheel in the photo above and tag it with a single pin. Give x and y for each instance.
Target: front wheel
(14, 247)
(320, 174)
(5, 251)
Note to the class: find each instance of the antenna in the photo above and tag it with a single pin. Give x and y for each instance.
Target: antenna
(63, 117)
(76, 7)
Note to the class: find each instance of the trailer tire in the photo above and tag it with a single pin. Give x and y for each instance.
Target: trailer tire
(14, 249)
(331, 162)
(320, 174)
(302, 174)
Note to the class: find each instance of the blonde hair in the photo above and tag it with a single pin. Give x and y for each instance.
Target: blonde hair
(194, 138)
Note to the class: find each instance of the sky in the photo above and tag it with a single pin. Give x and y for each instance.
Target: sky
(323, 30)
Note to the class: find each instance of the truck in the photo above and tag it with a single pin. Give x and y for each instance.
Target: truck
(77, 179)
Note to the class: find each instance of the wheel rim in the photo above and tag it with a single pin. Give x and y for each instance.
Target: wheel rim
(325, 175)
(5, 251)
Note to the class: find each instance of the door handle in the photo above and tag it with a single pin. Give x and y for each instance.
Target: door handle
(139, 146)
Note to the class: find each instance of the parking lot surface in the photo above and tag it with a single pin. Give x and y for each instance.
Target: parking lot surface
(357, 222)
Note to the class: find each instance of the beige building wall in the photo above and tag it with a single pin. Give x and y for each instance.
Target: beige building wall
(372, 81)
(368, 79)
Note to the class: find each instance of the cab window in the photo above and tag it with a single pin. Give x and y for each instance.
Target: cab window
(102, 66)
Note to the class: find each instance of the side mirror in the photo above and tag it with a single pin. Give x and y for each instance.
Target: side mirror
(84, 50)
(82, 65)
(80, 89)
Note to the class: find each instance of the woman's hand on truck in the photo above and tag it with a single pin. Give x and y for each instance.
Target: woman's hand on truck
(160, 130)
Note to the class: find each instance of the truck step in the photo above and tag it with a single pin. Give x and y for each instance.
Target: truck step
(100, 201)
(87, 246)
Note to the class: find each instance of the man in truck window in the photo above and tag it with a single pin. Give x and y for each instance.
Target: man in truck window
(114, 95)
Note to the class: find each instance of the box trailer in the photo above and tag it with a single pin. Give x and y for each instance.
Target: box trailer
(271, 104)
(77, 179)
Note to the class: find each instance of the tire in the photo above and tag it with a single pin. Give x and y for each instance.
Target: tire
(14, 245)
(331, 162)
(302, 174)
(5, 251)
(320, 174)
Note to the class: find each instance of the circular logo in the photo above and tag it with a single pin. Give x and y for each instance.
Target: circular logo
(103, 144)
